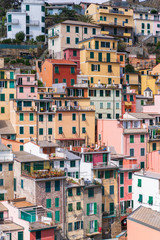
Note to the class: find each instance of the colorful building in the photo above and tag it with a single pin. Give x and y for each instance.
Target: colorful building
(132, 79)
(99, 62)
(142, 62)
(130, 132)
(68, 34)
(53, 71)
(73, 54)
(115, 21)
(128, 100)
(107, 101)
(26, 86)
(6, 173)
(7, 90)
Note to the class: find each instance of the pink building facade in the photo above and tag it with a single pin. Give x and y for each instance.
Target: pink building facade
(73, 54)
(128, 136)
(27, 86)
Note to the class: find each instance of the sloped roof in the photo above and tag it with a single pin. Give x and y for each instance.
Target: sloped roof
(61, 61)
(6, 127)
(146, 217)
(147, 90)
(80, 23)
(141, 115)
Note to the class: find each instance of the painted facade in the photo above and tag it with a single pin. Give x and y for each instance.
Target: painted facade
(114, 21)
(68, 34)
(98, 58)
(73, 54)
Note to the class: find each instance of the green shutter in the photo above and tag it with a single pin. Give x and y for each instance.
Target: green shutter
(20, 235)
(11, 75)
(48, 203)
(111, 208)
(131, 138)
(48, 186)
(98, 68)
(87, 209)
(56, 202)
(57, 185)
(95, 226)
(57, 216)
(108, 57)
(140, 199)
(139, 182)
(95, 208)
(15, 185)
(121, 192)
(150, 201)
(107, 174)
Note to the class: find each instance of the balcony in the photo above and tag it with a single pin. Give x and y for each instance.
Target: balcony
(24, 82)
(112, 60)
(116, 12)
(53, 36)
(76, 108)
(102, 10)
(33, 23)
(40, 174)
(25, 109)
(129, 167)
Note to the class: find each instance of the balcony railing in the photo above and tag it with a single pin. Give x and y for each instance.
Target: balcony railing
(112, 60)
(115, 11)
(129, 166)
(25, 82)
(76, 108)
(34, 108)
(33, 23)
(15, 22)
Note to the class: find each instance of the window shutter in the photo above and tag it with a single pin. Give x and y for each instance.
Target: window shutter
(87, 209)
(75, 226)
(98, 68)
(92, 67)
(95, 208)
(95, 226)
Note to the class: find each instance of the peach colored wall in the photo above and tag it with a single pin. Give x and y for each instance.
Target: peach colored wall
(153, 108)
(136, 231)
(153, 163)
(27, 92)
(137, 145)
(15, 144)
(111, 133)
(46, 73)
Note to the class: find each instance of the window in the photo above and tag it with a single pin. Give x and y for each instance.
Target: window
(9, 28)
(64, 80)
(101, 105)
(69, 227)
(74, 53)
(76, 40)
(20, 235)
(148, 26)
(56, 202)
(142, 152)
(57, 185)
(14, 184)
(31, 130)
(11, 96)
(73, 130)
(22, 183)
(42, 29)
(68, 40)
(48, 186)
(70, 194)
(41, 118)
(21, 89)
(95, 67)
(105, 44)
(91, 192)
(91, 54)
(21, 148)
(129, 175)
(131, 138)
(142, 165)
(21, 117)
(70, 207)
(72, 163)
(2, 109)
(57, 216)
(139, 182)
(108, 57)
(117, 115)
(83, 117)
(32, 90)
(73, 116)
(101, 93)
(129, 189)
(117, 105)
(143, 26)
(60, 130)
(11, 84)
(109, 68)
(31, 117)
(83, 130)
(111, 208)
(131, 98)
(150, 200)
(1, 182)
(100, 115)
(108, 116)
(27, 7)
(117, 93)
(40, 131)
(42, 8)
(68, 28)
(131, 152)
(121, 178)
(78, 191)
(59, 116)
(111, 189)
(107, 93)
(10, 167)
(121, 58)
(21, 130)
(78, 205)
(94, 31)
(85, 30)
(142, 138)
(121, 192)
(140, 199)
(76, 29)
(108, 105)
(154, 146)
(56, 80)
(56, 69)
(43, 19)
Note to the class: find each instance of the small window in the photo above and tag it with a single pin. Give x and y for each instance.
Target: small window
(91, 192)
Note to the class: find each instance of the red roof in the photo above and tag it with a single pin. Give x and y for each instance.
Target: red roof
(61, 61)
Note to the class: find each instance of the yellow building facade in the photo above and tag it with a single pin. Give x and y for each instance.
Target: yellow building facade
(144, 23)
(151, 81)
(114, 21)
(98, 60)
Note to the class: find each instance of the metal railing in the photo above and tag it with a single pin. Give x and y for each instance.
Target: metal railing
(115, 11)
